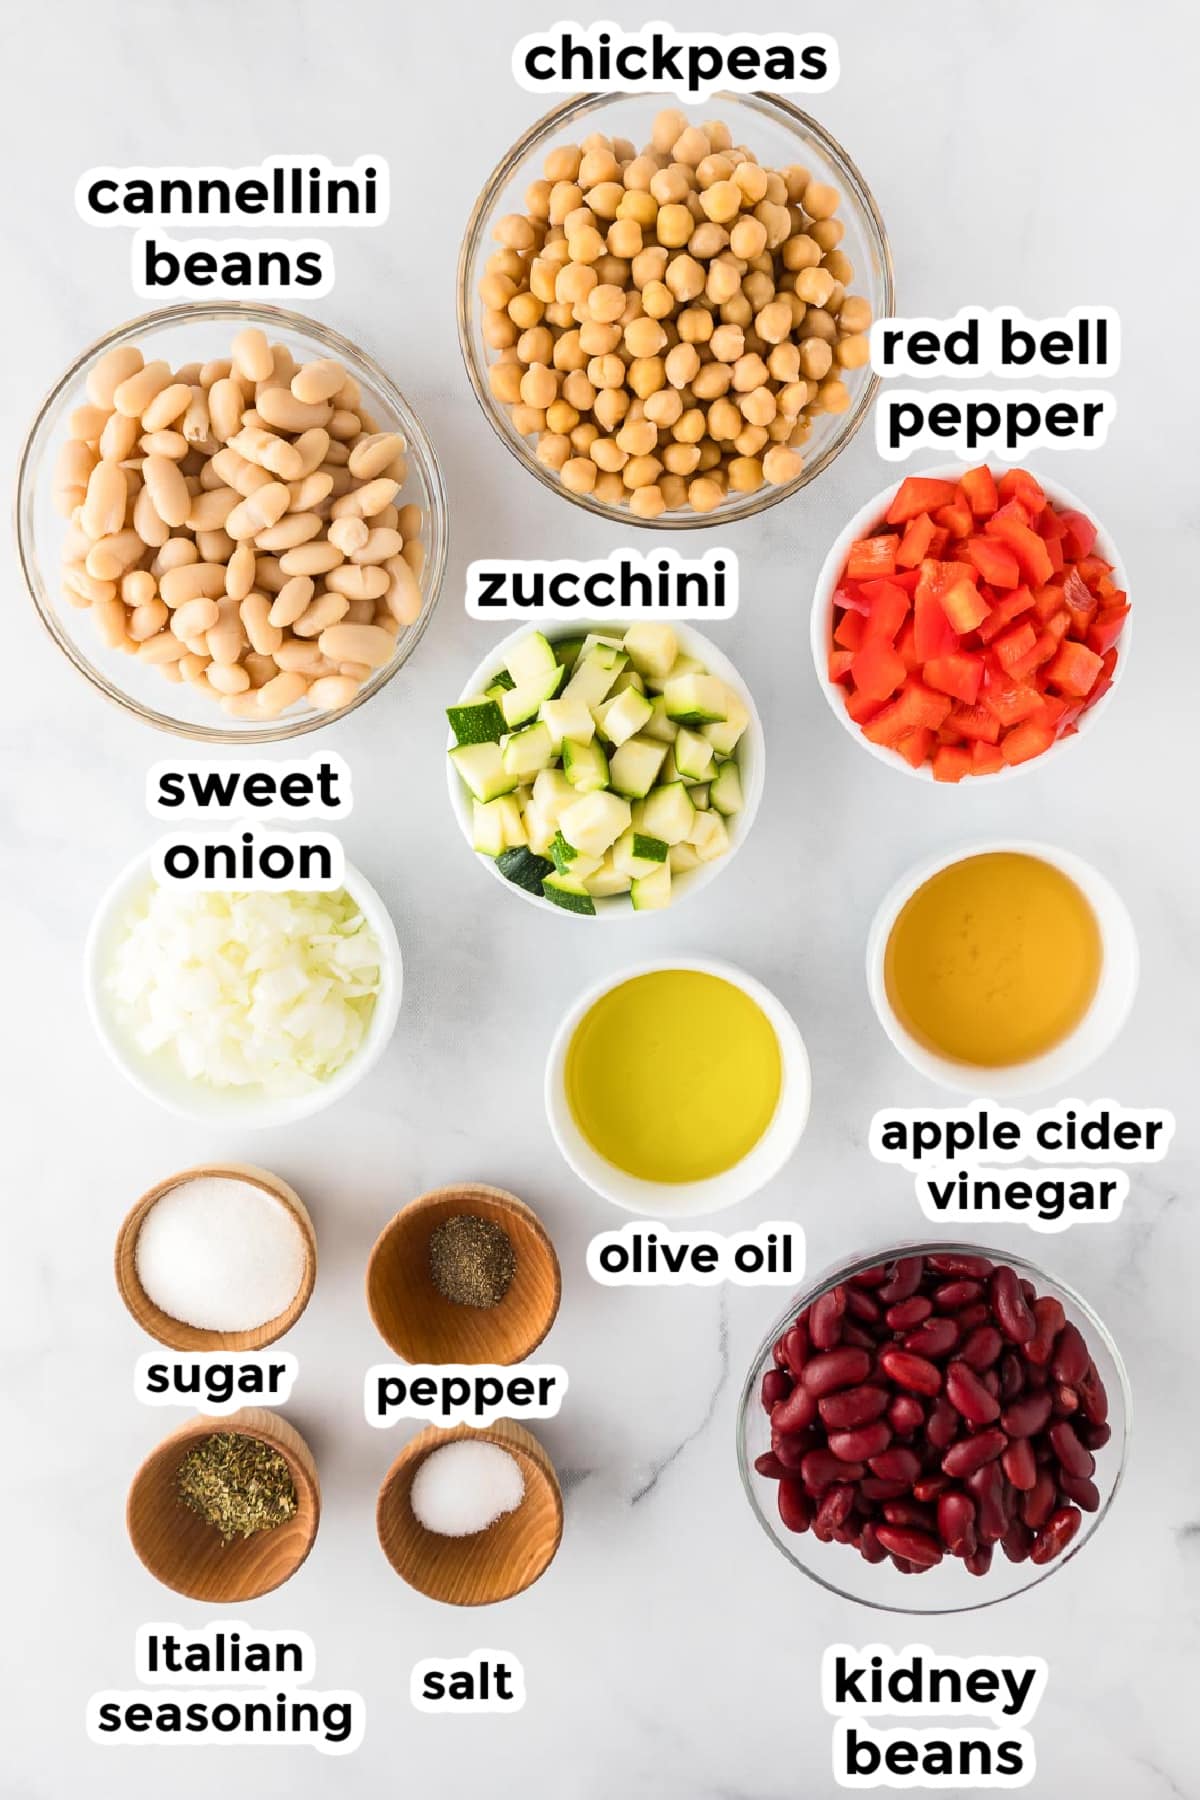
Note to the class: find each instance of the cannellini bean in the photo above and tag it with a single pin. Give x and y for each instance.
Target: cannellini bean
(168, 489)
(119, 437)
(260, 509)
(171, 444)
(106, 376)
(311, 559)
(371, 455)
(357, 582)
(135, 393)
(313, 447)
(255, 611)
(227, 678)
(226, 404)
(349, 534)
(173, 555)
(237, 472)
(310, 490)
(330, 692)
(303, 658)
(170, 403)
(72, 471)
(318, 381)
(239, 572)
(103, 509)
(110, 621)
(357, 643)
(87, 422)
(192, 667)
(146, 621)
(365, 501)
(260, 446)
(85, 587)
(403, 595)
(292, 600)
(260, 669)
(268, 575)
(138, 588)
(164, 648)
(279, 408)
(214, 546)
(279, 694)
(209, 510)
(295, 528)
(380, 544)
(111, 557)
(196, 424)
(325, 610)
(226, 640)
(191, 581)
(194, 617)
(252, 355)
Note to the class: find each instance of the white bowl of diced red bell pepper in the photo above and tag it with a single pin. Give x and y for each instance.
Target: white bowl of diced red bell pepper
(968, 621)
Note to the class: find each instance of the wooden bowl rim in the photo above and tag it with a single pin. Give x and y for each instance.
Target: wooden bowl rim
(256, 1422)
(521, 1443)
(167, 1330)
(500, 1197)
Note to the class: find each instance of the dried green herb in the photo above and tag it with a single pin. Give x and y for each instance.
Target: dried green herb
(471, 1260)
(237, 1483)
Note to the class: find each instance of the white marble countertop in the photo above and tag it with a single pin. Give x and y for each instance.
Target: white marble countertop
(1032, 155)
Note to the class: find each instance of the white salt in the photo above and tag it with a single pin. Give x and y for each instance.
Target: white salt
(220, 1254)
(466, 1486)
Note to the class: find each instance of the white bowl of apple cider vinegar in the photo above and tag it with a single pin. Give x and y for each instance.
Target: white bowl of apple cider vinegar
(1003, 967)
(677, 1087)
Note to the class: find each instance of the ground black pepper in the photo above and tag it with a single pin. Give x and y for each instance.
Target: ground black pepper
(471, 1260)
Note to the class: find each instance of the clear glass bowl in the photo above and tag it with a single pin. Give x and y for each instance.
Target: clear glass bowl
(947, 1588)
(182, 334)
(779, 134)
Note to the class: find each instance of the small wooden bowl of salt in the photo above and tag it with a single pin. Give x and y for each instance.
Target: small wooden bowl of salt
(221, 1257)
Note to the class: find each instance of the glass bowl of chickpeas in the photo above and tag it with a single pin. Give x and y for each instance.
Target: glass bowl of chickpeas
(665, 319)
(231, 521)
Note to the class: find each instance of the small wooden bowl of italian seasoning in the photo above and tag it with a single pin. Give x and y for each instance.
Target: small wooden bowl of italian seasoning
(226, 1509)
(464, 1274)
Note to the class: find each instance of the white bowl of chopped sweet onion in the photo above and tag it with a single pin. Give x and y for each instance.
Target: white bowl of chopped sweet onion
(254, 1009)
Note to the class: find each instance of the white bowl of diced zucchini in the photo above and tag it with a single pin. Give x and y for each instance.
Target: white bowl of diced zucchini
(602, 773)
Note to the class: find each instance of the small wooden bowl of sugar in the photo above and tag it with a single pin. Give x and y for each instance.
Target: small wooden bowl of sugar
(221, 1257)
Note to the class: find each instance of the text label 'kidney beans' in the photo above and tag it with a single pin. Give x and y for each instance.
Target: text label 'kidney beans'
(934, 1406)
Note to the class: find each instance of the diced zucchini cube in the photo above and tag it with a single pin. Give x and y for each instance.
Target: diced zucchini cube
(699, 794)
(522, 703)
(693, 755)
(723, 735)
(595, 822)
(650, 892)
(551, 792)
(565, 718)
(658, 725)
(566, 651)
(594, 674)
(634, 767)
(635, 855)
(539, 829)
(585, 766)
(669, 813)
(625, 715)
(652, 649)
(683, 665)
(476, 721)
(607, 880)
(726, 789)
(568, 893)
(529, 750)
(628, 678)
(708, 836)
(531, 659)
(482, 768)
(487, 828)
(696, 699)
(681, 858)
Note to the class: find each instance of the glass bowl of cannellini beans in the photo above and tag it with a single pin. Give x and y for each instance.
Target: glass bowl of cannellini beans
(231, 521)
(664, 315)
(892, 1357)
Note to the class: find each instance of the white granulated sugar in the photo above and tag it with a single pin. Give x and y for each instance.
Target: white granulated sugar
(220, 1254)
(466, 1486)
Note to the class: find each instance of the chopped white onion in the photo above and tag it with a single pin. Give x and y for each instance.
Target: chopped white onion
(268, 990)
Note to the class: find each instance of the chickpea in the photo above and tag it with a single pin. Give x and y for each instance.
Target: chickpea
(598, 338)
(689, 427)
(853, 352)
(722, 202)
(816, 359)
(578, 391)
(818, 323)
(834, 396)
(737, 310)
(774, 322)
(745, 474)
(539, 386)
(504, 379)
(801, 252)
(573, 283)
(682, 365)
(748, 238)
(819, 200)
(604, 199)
(528, 419)
(664, 406)
(606, 371)
(781, 465)
(610, 489)
(705, 494)
(638, 174)
(724, 420)
(525, 310)
(691, 146)
(514, 232)
(751, 439)
(828, 233)
(561, 418)
(681, 459)
(584, 436)
(648, 502)
(562, 163)
(569, 353)
(578, 475)
(638, 209)
(839, 266)
(641, 471)
(624, 239)
(673, 489)
(496, 291)
(566, 199)
(723, 281)
(606, 303)
(650, 266)
(695, 325)
(553, 449)
(673, 226)
(707, 241)
(498, 330)
(668, 127)
(644, 337)
(670, 186)
(647, 375)
(600, 165)
(728, 342)
(658, 302)
(536, 345)
(638, 436)
(713, 380)
(855, 315)
(758, 407)
(611, 406)
(814, 286)
(749, 371)
(586, 245)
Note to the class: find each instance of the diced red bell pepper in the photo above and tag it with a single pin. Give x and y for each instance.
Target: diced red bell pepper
(906, 646)
(976, 723)
(939, 542)
(1015, 644)
(1105, 680)
(958, 675)
(1042, 651)
(1049, 525)
(1080, 602)
(1028, 548)
(986, 758)
(916, 746)
(850, 595)
(1080, 534)
(1010, 701)
(1007, 607)
(1093, 569)
(914, 545)
(956, 517)
(1106, 628)
(848, 632)
(839, 664)
(979, 485)
(995, 561)
(876, 670)
(1025, 741)
(872, 556)
(1019, 484)
(861, 707)
(916, 705)
(918, 494)
(1074, 669)
(1056, 711)
(1047, 600)
(1058, 625)
(951, 762)
(1055, 553)
(934, 634)
(964, 606)
(889, 609)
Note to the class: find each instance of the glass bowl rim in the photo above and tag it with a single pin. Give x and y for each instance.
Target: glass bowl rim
(829, 1277)
(577, 107)
(277, 318)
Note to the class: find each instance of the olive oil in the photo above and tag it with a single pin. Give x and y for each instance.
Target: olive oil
(674, 1076)
(994, 961)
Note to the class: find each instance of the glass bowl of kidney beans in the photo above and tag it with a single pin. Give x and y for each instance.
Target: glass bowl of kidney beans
(940, 1411)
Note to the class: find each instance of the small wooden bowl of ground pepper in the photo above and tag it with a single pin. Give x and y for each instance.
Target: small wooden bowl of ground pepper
(225, 1509)
(464, 1274)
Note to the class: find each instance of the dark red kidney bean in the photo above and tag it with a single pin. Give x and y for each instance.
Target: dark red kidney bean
(777, 1354)
(835, 1507)
(795, 1507)
(768, 1464)
(937, 1337)
(874, 1488)
(956, 1521)
(844, 1367)
(825, 1319)
(990, 1492)
(1066, 1401)
(906, 1415)
(1055, 1534)
(796, 1411)
(904, 1278)
(1093, 1396)
(971, 1316)
(847, 1533)
(991, 1381)
(907, 1313)
(1070, 1452)
(929, 1487)
(1040, 1501)
(1083, 1492)
(858, 1335)
(908, 1512)
(952, 1296)
(967, 1395)
(853, 1406)
(790, 1451)
(1028, 1289)
(971, 1453)
(944, 1424)
(1048, 1319)
(860, 1445)
(1010, 1306)
(1017, 1542)
(1020, 1464)
(957, 1262)
(863, 1306)
(869, 1546)
(1012, 1375)
(870, 1278)
(914, 1372)
(982, 1348)
(1070, 1361)
(905, 1568)
(917, 1547)
(1094, 1436)
(1036, 1379)
(1027, 1415)
(796, 1347)
(979, 1561)
(895, 1464)
(776, 1386)
(821, 1468)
